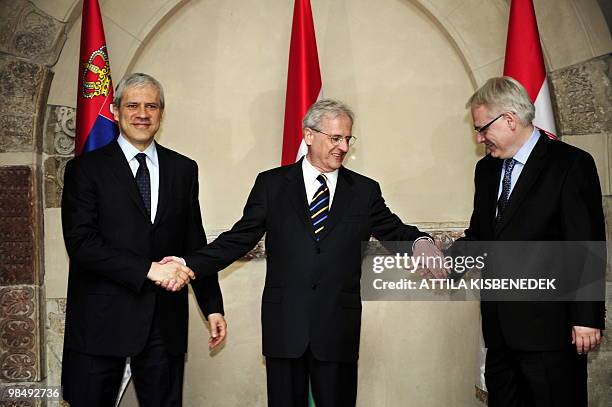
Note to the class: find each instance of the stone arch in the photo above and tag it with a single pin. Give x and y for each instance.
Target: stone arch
(33, 43)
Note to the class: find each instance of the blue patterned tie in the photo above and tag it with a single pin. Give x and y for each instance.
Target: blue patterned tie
(502, 202)
(319, 207)
(143, 180)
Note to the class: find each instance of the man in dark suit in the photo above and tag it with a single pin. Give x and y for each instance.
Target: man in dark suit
(315, 214)
(124, 206)
(532, 188)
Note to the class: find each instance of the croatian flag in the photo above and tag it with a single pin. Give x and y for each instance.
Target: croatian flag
(95, 124)
(525, 62)
(303, 81)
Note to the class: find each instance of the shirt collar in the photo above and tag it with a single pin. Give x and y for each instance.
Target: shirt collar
(130, 151)
(523, 154)
(311, 173)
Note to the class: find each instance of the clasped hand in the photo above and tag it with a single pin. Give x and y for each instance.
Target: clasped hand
(170, 274)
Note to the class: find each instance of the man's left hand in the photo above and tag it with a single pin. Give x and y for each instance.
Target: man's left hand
(218, 329)
(585, 338)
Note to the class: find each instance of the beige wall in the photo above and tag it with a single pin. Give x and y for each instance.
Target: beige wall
(406, 67)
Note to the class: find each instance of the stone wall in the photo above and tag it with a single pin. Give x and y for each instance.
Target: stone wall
(30, 42)
(583, 94)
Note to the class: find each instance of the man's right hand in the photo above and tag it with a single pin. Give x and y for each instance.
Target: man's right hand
(175, 275)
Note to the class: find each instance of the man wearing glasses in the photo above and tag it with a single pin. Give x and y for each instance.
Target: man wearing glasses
(532, 188)
(315, 214)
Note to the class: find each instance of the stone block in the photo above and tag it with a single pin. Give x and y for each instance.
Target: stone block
(20, 334)
(583, 94)
(19, 227)
(24, 87)
(30, 33)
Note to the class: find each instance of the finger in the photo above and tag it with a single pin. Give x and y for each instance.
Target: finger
(170, 285)
(191, 274)
(214, 329)
(165, 260)
(182, 277)
(213, 342)
(441, 273)
(579, 344)
(588, 345)
(178, 286)
(573, 336)
(164, 284)
(222, 331)
(598, 337)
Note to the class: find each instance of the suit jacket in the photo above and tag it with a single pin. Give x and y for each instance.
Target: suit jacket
(312, 289)
(111, 243)
(556, 198)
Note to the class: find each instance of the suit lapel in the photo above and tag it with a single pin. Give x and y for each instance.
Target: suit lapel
(297, 195)
(493, 188)
(342, 199)
(120, 170)
(165, 182)
(533, 167)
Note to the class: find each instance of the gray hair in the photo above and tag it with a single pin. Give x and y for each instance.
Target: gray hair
(325, 107)
(137, 79)
(504, 94)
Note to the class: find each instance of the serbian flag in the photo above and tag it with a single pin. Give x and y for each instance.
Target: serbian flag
(525, 62)
(303, 81)
(95, 124)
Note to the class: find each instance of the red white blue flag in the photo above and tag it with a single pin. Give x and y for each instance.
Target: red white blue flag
(95, 124)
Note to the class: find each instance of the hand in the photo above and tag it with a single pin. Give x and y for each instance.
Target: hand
(175, 259)
(171, 276)
(218, 329)
(433, 260)
(585, 338)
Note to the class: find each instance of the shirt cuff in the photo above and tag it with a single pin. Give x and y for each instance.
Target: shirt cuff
(422, 238)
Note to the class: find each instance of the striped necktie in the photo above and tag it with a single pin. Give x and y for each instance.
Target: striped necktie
(504, 197)
(319, 207)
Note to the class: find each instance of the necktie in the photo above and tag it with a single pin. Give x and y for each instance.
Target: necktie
(502, 202)
(319, 207)
(143, 180)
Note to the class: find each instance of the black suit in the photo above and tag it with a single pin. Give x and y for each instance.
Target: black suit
(312, 296)
(556, 198)
(112, 308)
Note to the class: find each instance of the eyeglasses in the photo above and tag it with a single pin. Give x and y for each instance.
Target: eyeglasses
(335, 139)
(484, 128)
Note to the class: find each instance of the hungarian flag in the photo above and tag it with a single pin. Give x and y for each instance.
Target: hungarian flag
(303, 81)
(525, 62)
(95, 125)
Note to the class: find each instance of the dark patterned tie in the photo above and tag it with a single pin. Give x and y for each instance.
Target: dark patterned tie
(319, 207)
(502, 202)
(143, 180)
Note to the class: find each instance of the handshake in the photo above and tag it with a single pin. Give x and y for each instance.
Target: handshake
(170, 273)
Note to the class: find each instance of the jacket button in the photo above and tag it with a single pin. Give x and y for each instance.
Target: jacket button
(314, 286)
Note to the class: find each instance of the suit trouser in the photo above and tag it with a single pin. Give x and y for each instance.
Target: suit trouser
(334, 384)
(94, 381)
(536, 379)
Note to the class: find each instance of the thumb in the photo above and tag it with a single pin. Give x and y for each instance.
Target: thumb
(165, 260)
(573, 336)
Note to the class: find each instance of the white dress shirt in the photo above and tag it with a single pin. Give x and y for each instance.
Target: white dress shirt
(152, 164)
(312, 185)
(521, 157)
